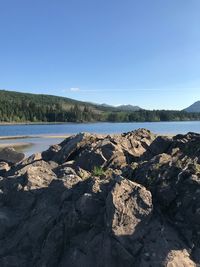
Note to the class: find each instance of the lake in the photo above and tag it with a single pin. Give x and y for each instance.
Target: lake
(40, 136)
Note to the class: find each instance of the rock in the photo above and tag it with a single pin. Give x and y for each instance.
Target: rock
(4, 167)
(138, 141)
(179, 259)
(128, 209)
(107, 148)
(51, 152)
(188, 144)
(118, 160)
(65, 171)
(160, 145)
(38, 177)
(163, 246)
(88, 160)
(72, 146)
(143, 210)
(90, 150)
(21, 169)
(11, 156)
(31, 159)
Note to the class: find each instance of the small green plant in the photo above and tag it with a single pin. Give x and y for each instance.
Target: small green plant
(97, 171)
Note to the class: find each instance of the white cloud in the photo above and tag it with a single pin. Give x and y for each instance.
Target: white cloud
(74, 89)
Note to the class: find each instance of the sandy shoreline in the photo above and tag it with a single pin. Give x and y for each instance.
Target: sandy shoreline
(30, 143)
(32, 136)
(59, 136)
(16, 145)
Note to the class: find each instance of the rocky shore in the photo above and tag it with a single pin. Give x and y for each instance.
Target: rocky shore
(108, 201)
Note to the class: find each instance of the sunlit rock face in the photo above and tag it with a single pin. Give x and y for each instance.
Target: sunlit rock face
(124, 200)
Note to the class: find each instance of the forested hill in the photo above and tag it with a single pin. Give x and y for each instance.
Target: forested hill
(23, 107)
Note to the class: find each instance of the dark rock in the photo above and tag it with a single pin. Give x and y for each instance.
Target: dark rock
(11, 156)
(31, 159)
(89, 150)
(51, 152)
(4, 167)
(160, 145)
(89, 159)
(143, 210)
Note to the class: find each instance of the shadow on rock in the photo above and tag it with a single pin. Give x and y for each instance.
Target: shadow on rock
(54, 212)
(100, 221)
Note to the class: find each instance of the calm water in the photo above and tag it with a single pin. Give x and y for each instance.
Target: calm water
(69, 128)
(40, 144)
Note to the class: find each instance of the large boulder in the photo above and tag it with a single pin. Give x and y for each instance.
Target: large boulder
(160, 145)
(11, 156)
(129, 209)
(188, 144)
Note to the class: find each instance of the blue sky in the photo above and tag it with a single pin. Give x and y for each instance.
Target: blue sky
(137, 52)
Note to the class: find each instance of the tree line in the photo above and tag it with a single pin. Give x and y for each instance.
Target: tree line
(39, 113)
(22, 107)
(152, 116)
(30, 112)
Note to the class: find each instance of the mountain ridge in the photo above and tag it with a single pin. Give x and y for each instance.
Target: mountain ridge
(195, 107)
(17, 107)
(128, 107)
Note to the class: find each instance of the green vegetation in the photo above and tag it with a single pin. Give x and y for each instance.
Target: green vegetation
(98, 171)
(152, 116)
(23, 107)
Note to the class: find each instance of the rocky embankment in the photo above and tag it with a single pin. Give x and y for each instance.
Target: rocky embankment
(125, 200)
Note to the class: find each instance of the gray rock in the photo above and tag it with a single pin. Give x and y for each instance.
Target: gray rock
(143, 210)
(11, 156)
(4, 167)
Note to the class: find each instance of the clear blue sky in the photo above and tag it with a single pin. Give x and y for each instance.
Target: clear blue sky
(140, 52)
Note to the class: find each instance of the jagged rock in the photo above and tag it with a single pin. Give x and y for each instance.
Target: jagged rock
(4, 167)
(90, 150)
(21, 168)
(72, 146)
(129, 209)
(51, 152)
(137, 142)
(11, 156)
(163, 246)
(188, 144)
(143, 210)
(31, 159)
(88, 160)
(179, 259)
(38, 177)
(160, 145)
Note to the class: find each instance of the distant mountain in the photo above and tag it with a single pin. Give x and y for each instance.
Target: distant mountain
(121, 107)
(128, 108)
(194, 107)
(106, 105)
